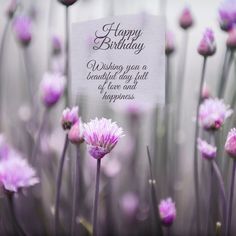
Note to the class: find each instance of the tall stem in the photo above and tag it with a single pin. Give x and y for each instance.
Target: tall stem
(75, 193)
(2, 46)
(58, 190)
(157, 220)
(221, 185)
(18, 228)
(196, 174)
(209, 202)
(38, 137)
(95, 205)
(67, 62)
(230, 202)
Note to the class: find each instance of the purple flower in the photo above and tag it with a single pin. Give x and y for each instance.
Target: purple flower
(167, 211)
(213, 113)
(52, 88)
(22, 27)
(231, 40)
(56, 45)
(69, 117)
(67, 2)
(16, 173)
(207, 151)
(101, 136)
(186, 19)
(76, 133)
(227, 14)
(230, 145)
(170, 44)
(207, 46)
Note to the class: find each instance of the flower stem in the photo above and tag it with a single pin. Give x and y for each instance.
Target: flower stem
(230, 203)
(75, 193)
(2, 46)
(225, 74)
(157, 220)
(58, 190)
(221, 185)
(209, 202)
(18, 228)
(196, 174)
(38, 137)
(67, 62)
(95, 205)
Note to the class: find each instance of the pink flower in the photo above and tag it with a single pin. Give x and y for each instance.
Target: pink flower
(11, 8)
(205, 92)
(207, 46)
(231, 41)
(213, 113)
(67, 2)
(230, 145)
(207, 151)
(56, 45)
(69, 117)
(170, 45)
(101, 136)
(16, 173)
(76, 133)
(167, 211)
(22, 27)
(52, 88)
(186, 19)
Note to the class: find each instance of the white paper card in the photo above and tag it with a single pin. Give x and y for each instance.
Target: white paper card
(119, 59)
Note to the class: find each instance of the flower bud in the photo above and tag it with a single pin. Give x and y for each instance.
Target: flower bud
(69, 117)
(186, 19)
(170, 45)
(67, 2)
(76, 133)
(167, 212)
(231, 41)
(230, 145)
(207, 46)
(207, 151)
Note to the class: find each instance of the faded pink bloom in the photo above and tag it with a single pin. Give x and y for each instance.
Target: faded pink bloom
(167, 211)
(227, 14)
(101, 136)
(186, 19)
(11, 8)
(231, 40)
(129, 204)
(170, 44)
(16, 173)
(56, 45)
(69, 117)
(207, 46)
(76, 133)
(52, 88)
(111, 167)
(207, 150)
(230, 145)
(22, 27)
(67, 2)
(213, 113)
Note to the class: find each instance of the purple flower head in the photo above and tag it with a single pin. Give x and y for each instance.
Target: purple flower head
(16, 173)
(52, 88)
(227, 14)
(11, 8)
(213, 113)
(231, 40)
(170, 44)
(207, 151)
(67, 2)
(69, 117)
(76, 133)
(167, 211)
(186, 19)
(22, 27)
(56, 45)
(230, 145)
(129, 204)
(207, 46)
(101, 136)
